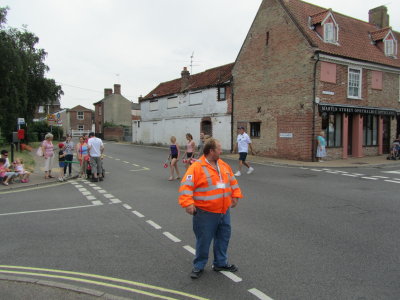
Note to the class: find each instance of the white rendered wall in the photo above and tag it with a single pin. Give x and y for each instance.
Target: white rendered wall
(159, 125)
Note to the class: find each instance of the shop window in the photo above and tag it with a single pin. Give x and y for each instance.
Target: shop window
(332, 125)
(370, 130)
(255, 129)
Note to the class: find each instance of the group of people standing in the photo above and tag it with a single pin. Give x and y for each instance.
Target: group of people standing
(89, 150)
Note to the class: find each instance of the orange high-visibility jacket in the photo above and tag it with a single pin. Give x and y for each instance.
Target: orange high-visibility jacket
(199, 187)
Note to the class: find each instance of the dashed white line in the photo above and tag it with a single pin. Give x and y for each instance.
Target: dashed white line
(138, 214)
(351, 175)
(316, 170)
(332, 172)
(127, 162)
(97, 202)
(231, 276)
(370, 178)
(259, 294)
(115, 200)
(86, 193)
(79, 186)
(102, 191)
(117, 159)
(127, 206)
(135, 165)
(91, 197)
(341, 171)
(82, 189)
(108, 196)
(97, 188)
(190, 249)
(109, 156)
(358, 174)
(46, 210)
(171, 237)
(392, 181)
(155, 225)
(383, 177)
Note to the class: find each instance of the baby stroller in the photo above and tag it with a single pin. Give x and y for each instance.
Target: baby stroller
(89, 174)
(394, 151)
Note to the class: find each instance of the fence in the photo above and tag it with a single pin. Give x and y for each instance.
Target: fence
(79, 132)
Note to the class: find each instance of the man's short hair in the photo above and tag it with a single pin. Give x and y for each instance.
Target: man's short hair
(4, 151)
(91, 134)
(210, 144)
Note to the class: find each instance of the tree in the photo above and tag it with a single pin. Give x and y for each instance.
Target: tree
(23, 85)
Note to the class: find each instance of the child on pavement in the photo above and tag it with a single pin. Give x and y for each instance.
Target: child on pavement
(19, 168)
(3, 171)
(61, 162)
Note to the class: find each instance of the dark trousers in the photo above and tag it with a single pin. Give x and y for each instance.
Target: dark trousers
(208, 226)
(68, 157)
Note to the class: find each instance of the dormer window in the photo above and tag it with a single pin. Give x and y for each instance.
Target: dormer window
(329, 33)
(390, 45)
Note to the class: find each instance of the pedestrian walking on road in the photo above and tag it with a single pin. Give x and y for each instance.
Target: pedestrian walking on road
(243, 143)
(69, 155)
(174, 158)
(208, 190)
(48, 153)
(321, 146)
(96, 149)
(190, 149)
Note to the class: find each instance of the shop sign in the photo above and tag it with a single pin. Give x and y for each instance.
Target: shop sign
(356, 110)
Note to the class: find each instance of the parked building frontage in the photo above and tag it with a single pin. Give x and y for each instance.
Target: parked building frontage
(191, 104)
(77, 119)
(303, 68)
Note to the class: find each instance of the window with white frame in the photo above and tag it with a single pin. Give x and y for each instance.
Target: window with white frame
(221, 93)
(80, 115)
(354, 83)
(389, 48)
(329, 33)
(81, 127)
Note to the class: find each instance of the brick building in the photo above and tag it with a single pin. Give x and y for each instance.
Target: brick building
(304, 68)
(77, 118)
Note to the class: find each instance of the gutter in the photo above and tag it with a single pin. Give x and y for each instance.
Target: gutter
(232, 121)
(314, 104)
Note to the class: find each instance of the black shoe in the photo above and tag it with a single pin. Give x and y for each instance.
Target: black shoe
(228, 268)
(101, 178)
(196, 273)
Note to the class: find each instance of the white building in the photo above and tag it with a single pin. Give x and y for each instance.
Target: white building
(191, 104)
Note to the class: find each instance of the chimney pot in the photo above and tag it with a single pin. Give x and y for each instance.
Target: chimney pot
(185, 74)
(117, 89)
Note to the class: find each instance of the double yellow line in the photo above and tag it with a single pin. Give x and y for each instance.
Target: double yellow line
(51, 273)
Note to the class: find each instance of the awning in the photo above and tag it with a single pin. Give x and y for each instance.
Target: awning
(355, 109)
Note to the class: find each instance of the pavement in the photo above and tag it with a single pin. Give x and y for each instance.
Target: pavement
(24, 288)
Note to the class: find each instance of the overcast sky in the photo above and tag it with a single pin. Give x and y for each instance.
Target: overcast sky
(93, 44)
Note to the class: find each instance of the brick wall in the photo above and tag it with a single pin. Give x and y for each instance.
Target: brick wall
(273, 84)
(113, 133)
(86, 122)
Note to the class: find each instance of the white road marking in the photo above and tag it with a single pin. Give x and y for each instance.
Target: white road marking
(341, 171)
(391, 172)
(316, 170)
(392, 181)
(371, 178)
(86, 193)
(259, 294)
(171, 237)
(115, 200)
(102, 191)
(46, 210)
(135, 165)
(332, 172)
(351, 175)
(79, 186)
(190, 249)
(109, 156)
(143, 169)
(73, 182)
(304, 168)
(358, 174)
(97, 188)
(97, 202)
(231, 276)
(383, 177)
(82, 189)
(127, 162)
(155, 225)
(138, 214)
(127, 206)
(91, 197)
(117, 159)
(92, 184)
(108, 196)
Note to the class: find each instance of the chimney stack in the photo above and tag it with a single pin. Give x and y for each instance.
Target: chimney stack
(107, 92)
(117, 89)
(185, 78)
(379, 16)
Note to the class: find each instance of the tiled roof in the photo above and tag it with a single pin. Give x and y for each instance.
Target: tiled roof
(379, 34)
(319, 17)
(208, 78)
(354, 39)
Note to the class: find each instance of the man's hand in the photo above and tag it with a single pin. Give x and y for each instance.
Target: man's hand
(234, 202)
(191, 209)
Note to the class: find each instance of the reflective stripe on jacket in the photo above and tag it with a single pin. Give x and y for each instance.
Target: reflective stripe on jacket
(199, 187)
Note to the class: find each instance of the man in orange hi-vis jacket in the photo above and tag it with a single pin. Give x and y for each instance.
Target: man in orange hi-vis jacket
(207, 191)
